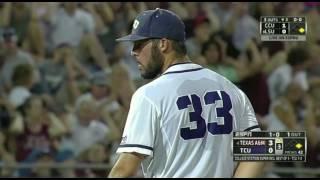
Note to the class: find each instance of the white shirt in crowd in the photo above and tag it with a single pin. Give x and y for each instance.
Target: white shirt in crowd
(70, 29)
(84, 136)
(281, 77)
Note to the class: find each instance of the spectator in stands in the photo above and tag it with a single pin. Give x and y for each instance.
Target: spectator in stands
(255, 84)
(5, 12)
(20, 17)
(35, 129)
(207, 9)
(96, 154)
(222, 11)
(294, 111)
(70, 24)
(6, 114)
(59, 75)
(91, 54)
(290, 8)
(264, 9)
(214, 52)
(22, 81)
(100, 92)
(38, 157)
(101, 12)
(30, 37)
(6, 157)
(75, 26)
(13, 57)
(38, 40)
(124, 60)
(53, 71)
(283, 111)
(294, 69)
(87, 129)
(240, 26)
(122, 84)
(201, 35)
(313, 67)
(313, 129)
(106, 33)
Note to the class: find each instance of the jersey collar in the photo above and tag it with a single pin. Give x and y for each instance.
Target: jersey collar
(182, 67)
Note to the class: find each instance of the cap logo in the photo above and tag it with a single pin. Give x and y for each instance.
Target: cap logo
(135, 24)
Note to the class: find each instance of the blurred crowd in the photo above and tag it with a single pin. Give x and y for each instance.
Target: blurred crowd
(66, 85)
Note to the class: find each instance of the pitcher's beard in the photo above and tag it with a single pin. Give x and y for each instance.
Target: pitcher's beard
(153, 69)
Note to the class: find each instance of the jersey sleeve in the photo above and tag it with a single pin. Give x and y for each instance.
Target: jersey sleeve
(140, 131)
(248, 120)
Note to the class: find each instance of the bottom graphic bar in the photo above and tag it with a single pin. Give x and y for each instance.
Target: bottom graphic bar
(268, 158)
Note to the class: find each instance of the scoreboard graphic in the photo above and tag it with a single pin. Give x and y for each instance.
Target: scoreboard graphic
(269, 146)
(283, 28)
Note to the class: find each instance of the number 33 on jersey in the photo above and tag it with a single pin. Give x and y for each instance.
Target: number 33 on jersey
(210, 98)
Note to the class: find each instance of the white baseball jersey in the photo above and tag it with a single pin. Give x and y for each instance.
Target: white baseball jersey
(183, 121)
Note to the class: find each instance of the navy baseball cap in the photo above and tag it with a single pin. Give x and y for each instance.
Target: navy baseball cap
(158, 23)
